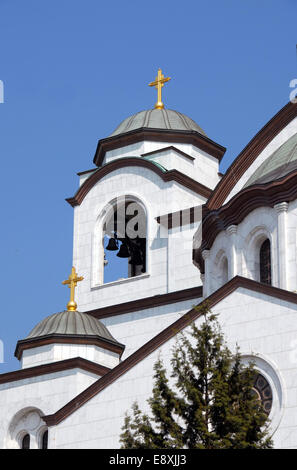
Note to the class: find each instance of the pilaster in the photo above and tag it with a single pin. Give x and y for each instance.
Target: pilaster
(281, 210)
(232, 231)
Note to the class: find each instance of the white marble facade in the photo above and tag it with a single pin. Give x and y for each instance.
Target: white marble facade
(262, 324)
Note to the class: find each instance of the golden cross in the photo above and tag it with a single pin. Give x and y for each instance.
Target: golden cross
(159, 83)
(72, 283)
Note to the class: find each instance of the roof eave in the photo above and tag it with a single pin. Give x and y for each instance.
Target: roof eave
(160, 135)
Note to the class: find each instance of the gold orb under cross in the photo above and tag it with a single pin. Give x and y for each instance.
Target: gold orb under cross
(159, 83)
(72, 281)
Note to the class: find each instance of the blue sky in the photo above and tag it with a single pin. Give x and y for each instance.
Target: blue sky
(73, 69)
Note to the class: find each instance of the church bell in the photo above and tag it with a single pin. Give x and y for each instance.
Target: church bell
(112, 245)
(124, 252)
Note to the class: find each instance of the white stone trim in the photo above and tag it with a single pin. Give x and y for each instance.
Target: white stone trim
(121, 281)
(26, 421)
(232, 231)
(272, 374)
(281, 210)
(252, 250)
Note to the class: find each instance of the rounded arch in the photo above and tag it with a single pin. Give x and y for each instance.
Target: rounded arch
(25, 442)
(117, 220)
(271, 374)
(251, 252)
(220, 270)
(42, 437)
(165, 175)
(26, 421)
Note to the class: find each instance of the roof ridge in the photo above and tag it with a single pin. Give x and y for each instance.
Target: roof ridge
(147, 117)
(154, 118)
(182, 118)
(167, 122)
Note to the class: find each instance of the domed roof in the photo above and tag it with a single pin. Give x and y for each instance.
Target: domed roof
(70, 323)
(279, 164)
(158, 119)
(70, 327)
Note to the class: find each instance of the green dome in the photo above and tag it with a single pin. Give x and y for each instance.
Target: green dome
(158, 119)
(70, 323)
(279, 164)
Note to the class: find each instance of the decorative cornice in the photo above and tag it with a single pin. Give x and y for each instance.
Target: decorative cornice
(232, 213)
(170, 175)
(162, 338)
(51, 368)
(281, 207)
(205, 254)
(147, 302)
(249, 154)
(30, 343)
(158, 135)
(231, 230)
(165, 149)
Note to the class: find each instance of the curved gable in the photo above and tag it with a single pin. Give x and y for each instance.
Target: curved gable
(226, 187)
(170, 175)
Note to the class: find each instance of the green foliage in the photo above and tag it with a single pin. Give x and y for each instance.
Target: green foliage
(211, 406)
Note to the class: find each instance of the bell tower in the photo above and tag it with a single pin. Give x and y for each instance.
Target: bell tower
(136, 212)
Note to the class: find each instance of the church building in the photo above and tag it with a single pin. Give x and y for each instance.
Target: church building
(157, 230)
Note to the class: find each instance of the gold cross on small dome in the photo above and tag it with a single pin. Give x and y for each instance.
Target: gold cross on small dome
(72, 281)
(159, 83)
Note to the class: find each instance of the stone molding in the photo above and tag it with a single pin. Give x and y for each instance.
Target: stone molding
(281, 207)
(231, 230)
(249, 154)
(53, 367)
(103, 343)
(170, 175)
(244, 202)
(158, 135)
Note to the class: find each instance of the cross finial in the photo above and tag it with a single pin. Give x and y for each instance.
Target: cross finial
(72, 281)
(159, 83)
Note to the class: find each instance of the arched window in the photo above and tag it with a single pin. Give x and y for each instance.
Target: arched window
(265, 262)
(44, 441)
(219, 273)
(124, 240)
(26, 442)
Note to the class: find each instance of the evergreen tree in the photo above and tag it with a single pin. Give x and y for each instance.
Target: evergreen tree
(212, 405)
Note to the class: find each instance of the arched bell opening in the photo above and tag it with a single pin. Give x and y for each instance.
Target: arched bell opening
(124, 240)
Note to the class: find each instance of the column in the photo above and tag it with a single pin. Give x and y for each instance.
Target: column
(232, 263)
(282, 209)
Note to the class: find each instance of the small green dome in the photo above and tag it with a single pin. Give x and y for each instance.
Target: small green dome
(158, 119)
(279, 164)
(70, 323)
